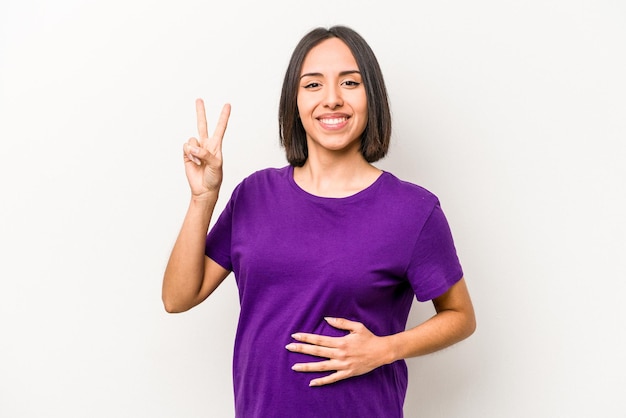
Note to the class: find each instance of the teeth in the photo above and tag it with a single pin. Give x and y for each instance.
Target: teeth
(334, 121)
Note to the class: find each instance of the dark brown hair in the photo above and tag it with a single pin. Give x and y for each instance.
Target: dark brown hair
(377, 134)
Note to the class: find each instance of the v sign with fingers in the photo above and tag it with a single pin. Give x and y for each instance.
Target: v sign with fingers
(189, 278)
(203, 155)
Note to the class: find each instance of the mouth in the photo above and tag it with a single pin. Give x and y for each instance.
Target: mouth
(333, 123)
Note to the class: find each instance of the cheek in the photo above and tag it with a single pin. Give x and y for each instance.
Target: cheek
(303, 105)
(363, 112)
(359, 103)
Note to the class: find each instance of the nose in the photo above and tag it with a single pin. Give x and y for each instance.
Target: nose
(333, 98)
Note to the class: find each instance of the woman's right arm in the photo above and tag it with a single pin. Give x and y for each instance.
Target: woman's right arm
(190, 276)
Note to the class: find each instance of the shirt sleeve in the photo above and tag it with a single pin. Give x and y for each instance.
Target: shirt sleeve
(434, 266)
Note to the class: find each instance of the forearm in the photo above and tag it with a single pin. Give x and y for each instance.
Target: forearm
(360, 351)
(184, 274)
(442, 330)
(454, 321)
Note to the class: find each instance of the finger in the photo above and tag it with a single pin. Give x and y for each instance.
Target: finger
(317, 366)
(331, 378)
(316, 339)
(312, 350)
(198, 153)
(203, 132)
(193, 142)
(222, 124)
(193, 159)
(190, 150)
(345, 324)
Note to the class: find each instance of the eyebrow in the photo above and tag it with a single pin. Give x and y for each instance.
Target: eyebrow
(343, 73)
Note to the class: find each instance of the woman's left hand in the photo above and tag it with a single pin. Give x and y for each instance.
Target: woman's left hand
(354, 354)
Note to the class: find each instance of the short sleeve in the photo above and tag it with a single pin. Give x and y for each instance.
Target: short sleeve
(434, 266)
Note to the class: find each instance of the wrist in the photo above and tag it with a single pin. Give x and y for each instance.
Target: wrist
(203, 205)
(209, 197)
(390, 353)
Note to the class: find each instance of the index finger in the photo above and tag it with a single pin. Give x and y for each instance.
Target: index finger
(203, 132)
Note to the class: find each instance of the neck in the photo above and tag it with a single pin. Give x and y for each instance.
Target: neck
(335, 177)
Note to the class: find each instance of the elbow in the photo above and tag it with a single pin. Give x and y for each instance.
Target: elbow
(471, 328)
(173, 309)
(174, 301)
(470, 325)
(169, 308)
(172, 306)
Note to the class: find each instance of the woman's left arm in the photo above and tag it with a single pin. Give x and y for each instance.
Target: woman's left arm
(361, 351)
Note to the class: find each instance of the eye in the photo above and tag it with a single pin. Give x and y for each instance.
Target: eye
(351, 83)
(311, 85)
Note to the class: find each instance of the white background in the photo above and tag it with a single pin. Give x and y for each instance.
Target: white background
(513, 113)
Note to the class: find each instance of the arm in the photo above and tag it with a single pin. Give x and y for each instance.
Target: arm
(190, 276)
(361, 351)
(453, 322)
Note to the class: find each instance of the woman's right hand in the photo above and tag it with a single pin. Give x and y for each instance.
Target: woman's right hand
(203, 155)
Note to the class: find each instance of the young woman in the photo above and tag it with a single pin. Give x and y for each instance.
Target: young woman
(328, 251)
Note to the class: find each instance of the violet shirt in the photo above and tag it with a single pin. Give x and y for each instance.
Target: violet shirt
(298, 258)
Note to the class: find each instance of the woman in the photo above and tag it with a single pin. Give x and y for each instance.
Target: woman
(328, 252)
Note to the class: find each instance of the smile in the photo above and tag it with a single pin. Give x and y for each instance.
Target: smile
(333, 122)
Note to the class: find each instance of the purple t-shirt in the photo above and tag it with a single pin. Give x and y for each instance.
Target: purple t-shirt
(298, 258)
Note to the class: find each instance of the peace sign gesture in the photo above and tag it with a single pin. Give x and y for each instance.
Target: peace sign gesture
(203, 155)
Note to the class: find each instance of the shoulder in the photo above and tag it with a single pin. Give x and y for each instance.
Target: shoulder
(408, 192)
(261, 182)
(270, 174)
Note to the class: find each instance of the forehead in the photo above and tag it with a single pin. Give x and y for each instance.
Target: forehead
(330, 55)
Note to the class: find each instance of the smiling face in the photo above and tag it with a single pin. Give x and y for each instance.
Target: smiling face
(332, 102)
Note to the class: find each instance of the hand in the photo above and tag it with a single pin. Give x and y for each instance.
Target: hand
(354, 354)
(203, 155)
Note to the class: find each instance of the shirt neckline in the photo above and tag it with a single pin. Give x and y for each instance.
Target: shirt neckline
(324, 199)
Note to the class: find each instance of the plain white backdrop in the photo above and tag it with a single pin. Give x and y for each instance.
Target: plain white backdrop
(513, 113)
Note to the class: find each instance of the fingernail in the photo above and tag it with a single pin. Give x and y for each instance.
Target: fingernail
(329, 319)
(290, 346)
(194, 150)
(295, 367)
(295, 336)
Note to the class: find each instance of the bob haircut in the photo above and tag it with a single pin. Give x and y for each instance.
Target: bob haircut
(377, 134)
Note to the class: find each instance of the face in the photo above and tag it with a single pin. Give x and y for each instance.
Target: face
(331, 99)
